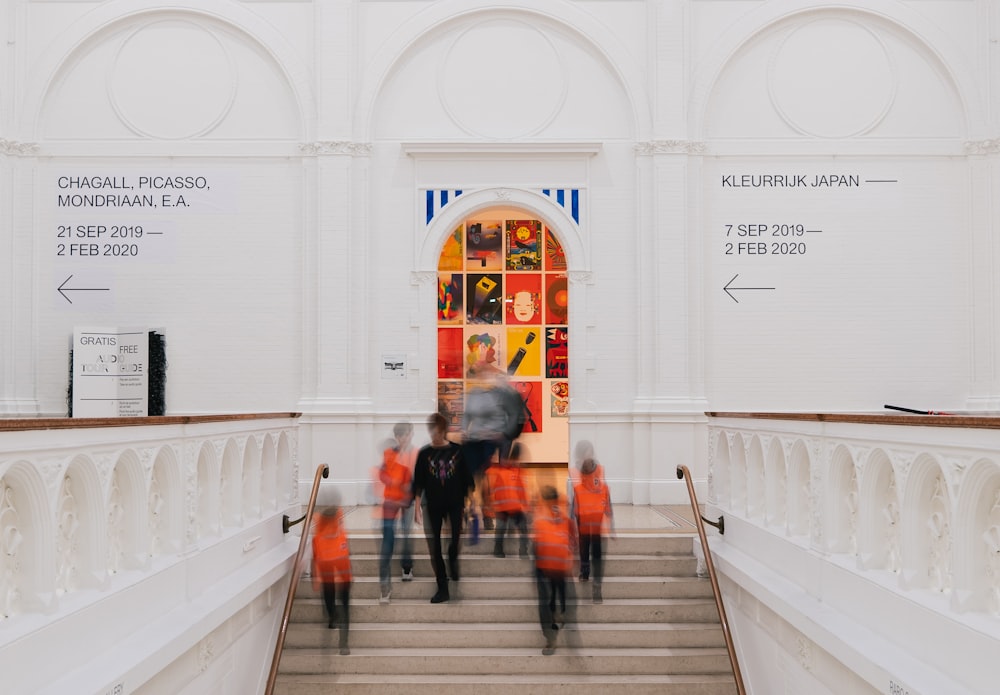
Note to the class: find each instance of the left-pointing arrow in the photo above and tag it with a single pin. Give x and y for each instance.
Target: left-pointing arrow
(62, 289)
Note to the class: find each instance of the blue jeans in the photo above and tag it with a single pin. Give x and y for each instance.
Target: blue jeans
(389, 544)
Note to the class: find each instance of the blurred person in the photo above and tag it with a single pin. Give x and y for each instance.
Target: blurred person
(397, 482)
(553, 536)
(441, 483)
(492, 420)
(592, 510)
(331, 571)
(402, 432)
(509, 495)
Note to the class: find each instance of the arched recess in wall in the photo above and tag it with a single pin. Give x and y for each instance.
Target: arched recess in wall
(842, 503)
(26, 539)
(503, 312)
(720, 471)
(907, 37)
(231, 485)
(755, 479)
(977, 540)
(422, 44)
(110, 49)
(878, 533)
(81, 528)
(738, 475)
(251, 478)
(270, 492)
(800, 491)
(206, 519)
(927, 527)
(166, 504)
(128, 520)
(775, 482)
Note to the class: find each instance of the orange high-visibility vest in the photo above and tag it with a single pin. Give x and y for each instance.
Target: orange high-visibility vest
(331, 552)
(553, 553)
(593, 500)
(396, 478)
(507, 485)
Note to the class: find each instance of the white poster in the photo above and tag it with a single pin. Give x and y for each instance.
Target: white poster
(110, 372)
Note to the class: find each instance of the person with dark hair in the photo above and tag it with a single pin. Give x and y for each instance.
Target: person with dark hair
(441, 482)
(553, 535)
(331, 572)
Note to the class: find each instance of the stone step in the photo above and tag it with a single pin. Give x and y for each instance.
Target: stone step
(370, 542)
(459, 610)
(489, 566)
(524, 587)
(484, 661)
(505, 635)
(521, 684)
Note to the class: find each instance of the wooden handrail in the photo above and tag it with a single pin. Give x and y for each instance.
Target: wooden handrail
(683, 472)
(322, 471)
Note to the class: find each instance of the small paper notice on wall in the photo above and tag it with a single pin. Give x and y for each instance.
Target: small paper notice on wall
(393, 366)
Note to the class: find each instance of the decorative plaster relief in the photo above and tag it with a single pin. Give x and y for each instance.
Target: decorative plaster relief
(423, 277)
(157, 517)
(580, 277)
(669, 147)
(890, 513)
(939, 527)
(18, 149)
(67, 552)
(970, 146)
(336, 147)
(149, 76)
(850, 84)
(10, 542)
(116, 533)
(502, 79)
(991, 541)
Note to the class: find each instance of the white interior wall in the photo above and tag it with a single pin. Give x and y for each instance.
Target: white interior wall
(287, 280)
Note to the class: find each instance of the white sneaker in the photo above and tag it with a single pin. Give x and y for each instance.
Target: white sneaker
(407, 575)
(384, 596)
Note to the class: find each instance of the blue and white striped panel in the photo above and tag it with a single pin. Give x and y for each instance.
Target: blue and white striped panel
(435, 199)
(568, 198)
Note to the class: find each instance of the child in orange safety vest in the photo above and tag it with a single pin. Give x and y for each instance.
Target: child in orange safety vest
(505, 482)
(397, 496)
(331, 571)
(592, 510)
(553, 534)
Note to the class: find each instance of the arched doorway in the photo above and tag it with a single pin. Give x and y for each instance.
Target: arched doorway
(503, 309)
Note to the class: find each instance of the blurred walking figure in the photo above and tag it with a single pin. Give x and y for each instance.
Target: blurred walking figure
(591, 510)
(553, 535)
(442, 482)
(396, 479)
(505, 485)
(493, 418)
(332, 569)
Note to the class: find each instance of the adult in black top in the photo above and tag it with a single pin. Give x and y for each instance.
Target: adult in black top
(441, 482)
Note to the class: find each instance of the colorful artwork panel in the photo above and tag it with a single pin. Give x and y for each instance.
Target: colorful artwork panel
(451, 403)
(557, 352)
(484, 245)
(523, 245)
(555, 257)
(556, 299)
(531, 395)
(559, 394)
(451, 353)
(524, 352)
(523, 298)
(450, 298)
(484, 298)
(484, 352)
(451, 255)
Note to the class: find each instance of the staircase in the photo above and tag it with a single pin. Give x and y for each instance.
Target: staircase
(657, 630)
